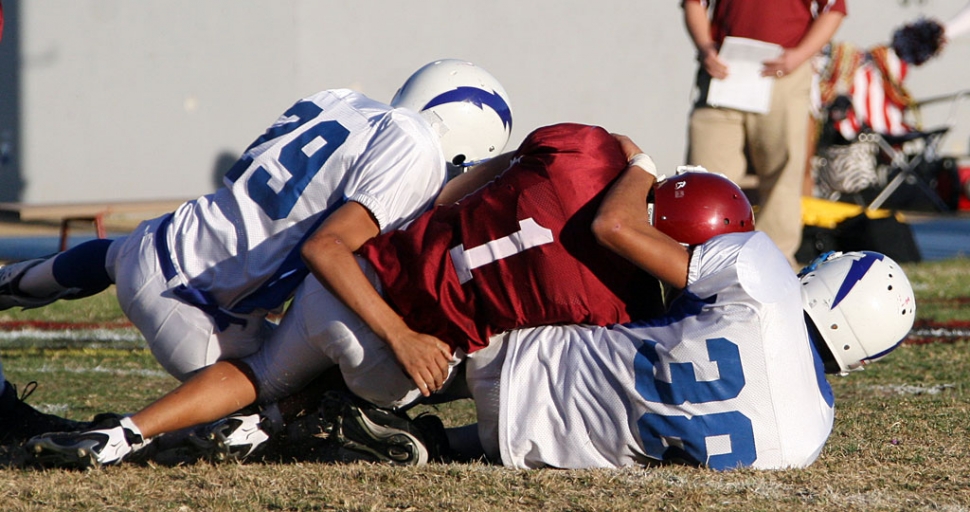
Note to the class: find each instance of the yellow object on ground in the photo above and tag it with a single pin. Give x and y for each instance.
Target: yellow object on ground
(827, 214)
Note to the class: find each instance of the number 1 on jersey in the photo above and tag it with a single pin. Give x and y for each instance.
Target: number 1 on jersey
(529, 235)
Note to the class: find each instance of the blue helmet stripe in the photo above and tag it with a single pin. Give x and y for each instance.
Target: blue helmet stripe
(477, 97)
(856, 272)
(888, 350)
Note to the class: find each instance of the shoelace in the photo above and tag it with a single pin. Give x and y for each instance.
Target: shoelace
(28, 390)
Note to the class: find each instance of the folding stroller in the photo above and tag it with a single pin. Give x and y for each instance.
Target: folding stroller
(909, 153)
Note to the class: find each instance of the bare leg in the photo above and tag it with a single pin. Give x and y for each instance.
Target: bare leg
(212, 394)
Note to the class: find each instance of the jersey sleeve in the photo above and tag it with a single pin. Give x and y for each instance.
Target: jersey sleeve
(399, 172)
(750, 260)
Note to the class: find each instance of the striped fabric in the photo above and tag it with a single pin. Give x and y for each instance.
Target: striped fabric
(878, 101)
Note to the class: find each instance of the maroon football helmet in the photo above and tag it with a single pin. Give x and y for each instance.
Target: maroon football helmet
(694, 206)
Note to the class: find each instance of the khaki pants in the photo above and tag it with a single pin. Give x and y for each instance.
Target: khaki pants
(774, 144)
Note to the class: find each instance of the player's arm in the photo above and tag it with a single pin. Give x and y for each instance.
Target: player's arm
(473, 179)
(622, 225)
(329, 253)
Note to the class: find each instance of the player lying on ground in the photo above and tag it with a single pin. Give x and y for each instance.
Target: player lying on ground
(336, 169)
(533, 222)
(732, 376)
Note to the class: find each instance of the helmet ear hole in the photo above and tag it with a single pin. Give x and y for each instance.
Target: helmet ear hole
(458, 160)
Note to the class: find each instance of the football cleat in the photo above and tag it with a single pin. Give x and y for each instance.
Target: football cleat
(11, 296)
(19, 421)
(367, 432)
(110, 442)
(235, 437)
(435, 437)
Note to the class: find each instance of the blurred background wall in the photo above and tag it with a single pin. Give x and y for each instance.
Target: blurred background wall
(106, 100)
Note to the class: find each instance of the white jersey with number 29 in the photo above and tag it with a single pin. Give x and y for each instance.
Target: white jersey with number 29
(727, 379)
(241, 244)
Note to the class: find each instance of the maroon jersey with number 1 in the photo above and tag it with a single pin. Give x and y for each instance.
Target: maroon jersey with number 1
(519, 252)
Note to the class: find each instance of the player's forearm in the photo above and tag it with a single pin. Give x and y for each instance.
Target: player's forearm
(621, 225)
(333, 263)
(329, 254)
(473, 179)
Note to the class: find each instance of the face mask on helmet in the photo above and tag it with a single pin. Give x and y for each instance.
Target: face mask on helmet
(860, 303)
(468, 108)
(696, 205)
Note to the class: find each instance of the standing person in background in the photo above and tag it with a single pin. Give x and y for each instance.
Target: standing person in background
(773, 144)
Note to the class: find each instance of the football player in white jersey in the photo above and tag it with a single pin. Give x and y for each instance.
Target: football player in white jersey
(732, 376)
(333, 171)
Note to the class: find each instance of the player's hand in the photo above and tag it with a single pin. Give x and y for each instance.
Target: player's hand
(424, 358)
(629, 147)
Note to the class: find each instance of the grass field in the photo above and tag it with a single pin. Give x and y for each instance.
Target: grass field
(901, 439)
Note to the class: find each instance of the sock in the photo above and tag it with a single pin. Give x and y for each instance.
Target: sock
(272, 413)
(465, 443)
(129, 425)
(83, 266)
(39, 281)
(80, 268)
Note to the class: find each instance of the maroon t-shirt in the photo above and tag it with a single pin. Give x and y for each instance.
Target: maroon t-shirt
(519, 252)
(783, 22)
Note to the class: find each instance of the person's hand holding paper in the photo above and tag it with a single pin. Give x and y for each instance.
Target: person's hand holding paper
(744, 86)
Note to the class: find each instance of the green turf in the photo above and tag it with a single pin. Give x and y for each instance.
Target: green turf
(901, 441)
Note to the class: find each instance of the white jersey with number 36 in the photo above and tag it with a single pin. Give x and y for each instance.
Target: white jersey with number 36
(728, 378)
(241, 244)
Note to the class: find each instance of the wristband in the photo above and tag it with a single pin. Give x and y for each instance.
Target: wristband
(643, 161)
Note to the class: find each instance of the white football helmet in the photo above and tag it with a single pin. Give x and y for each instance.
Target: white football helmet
(861, 304)
(467, 107)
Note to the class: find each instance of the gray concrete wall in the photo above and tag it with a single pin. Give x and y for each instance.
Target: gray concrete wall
(124, 100)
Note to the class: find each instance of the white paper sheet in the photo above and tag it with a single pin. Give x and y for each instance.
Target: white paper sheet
(744, 88)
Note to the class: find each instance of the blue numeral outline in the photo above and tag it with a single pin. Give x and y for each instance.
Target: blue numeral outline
(684, 386)
(302, 158)
(687, 436)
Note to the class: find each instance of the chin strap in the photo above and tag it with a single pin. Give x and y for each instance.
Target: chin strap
(815, 263)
